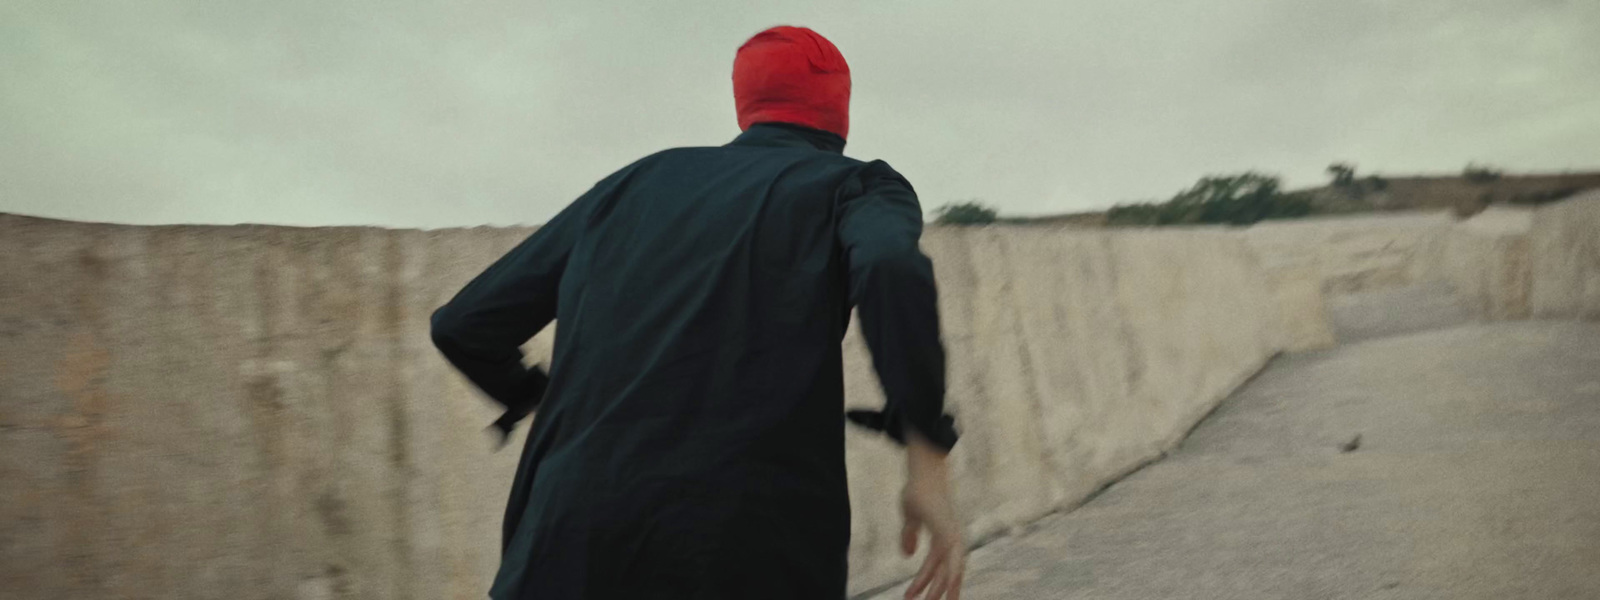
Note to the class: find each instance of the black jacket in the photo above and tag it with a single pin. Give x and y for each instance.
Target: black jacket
(689, 441)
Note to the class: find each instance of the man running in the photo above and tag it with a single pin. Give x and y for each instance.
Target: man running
(689, 440)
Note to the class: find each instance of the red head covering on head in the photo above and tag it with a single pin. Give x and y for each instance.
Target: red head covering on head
(792, 75)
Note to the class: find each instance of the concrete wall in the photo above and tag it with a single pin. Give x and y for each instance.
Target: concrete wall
(1565, 265)
(256, 412)
(1511, 263)
(1311, 262)
(1486, 262)
(1349, 254)
(1503, 263)
(239, 412)
(1075, 357)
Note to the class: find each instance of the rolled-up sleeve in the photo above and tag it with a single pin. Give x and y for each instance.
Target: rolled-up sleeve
(892, 287)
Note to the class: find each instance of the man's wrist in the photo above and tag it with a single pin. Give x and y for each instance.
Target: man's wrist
(925, 461)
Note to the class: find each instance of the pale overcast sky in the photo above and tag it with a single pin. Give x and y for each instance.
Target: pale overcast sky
(450, 113)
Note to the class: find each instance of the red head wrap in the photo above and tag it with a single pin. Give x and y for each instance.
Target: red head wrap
(792, 75)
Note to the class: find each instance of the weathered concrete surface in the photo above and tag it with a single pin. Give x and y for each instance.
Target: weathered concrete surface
(1476, 478)
(195, 412)
(1509, 264)
(1395, 311)
(1350, 254)
(256, 412)
(1506, 263)
(1312, 263)
(1486, 260)
(1075, 357)
(1566, 259)
(247, 412)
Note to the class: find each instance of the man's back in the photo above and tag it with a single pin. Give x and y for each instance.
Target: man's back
(718, 266)
(696, 383)
(696, 390)
(689, 438)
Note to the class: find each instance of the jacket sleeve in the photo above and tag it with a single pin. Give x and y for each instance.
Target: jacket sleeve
(892, 288)
(481, 330)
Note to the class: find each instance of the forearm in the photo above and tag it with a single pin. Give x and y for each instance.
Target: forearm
(927, 463)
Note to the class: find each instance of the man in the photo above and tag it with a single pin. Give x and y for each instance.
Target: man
(689, 440)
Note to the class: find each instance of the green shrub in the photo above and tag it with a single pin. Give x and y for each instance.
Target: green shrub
(965, 213)
(1239, 199)
(1343, 174)
(1481, 174)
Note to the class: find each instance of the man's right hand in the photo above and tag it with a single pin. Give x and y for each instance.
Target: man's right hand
(926, 504)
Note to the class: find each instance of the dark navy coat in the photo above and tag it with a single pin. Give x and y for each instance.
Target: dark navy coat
(689, 436)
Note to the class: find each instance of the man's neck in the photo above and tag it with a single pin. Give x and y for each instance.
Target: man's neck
(817, 138)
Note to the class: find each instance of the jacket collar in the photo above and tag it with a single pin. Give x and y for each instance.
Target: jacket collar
(785, 135)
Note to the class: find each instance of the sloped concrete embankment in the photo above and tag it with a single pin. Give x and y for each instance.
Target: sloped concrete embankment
(256, 412)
